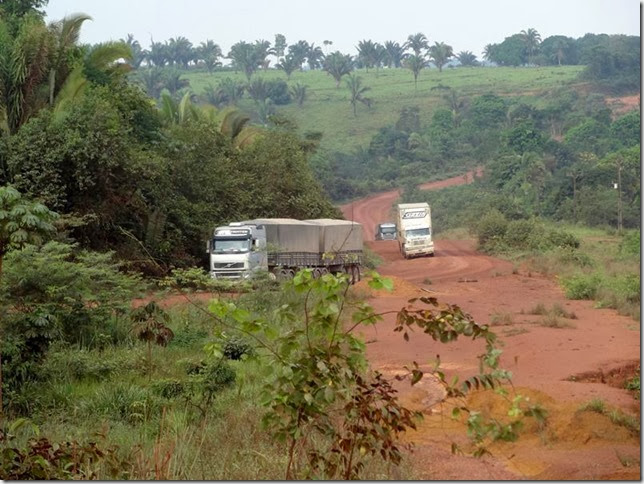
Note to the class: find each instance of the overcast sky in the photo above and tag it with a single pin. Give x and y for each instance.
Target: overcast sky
(463, 24)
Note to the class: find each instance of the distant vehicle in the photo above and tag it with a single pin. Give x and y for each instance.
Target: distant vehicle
(414, 229)
(386, 231)
(283, 246)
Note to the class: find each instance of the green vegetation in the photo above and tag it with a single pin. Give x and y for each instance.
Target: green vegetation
(616, 416)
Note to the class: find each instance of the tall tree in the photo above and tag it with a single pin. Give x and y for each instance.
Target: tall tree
(262, 50)
(367, 53)
(357, 90)
(138, 54)
(395, 54)
(531, 40)
(209, 53)
(415, 64)
(158, 54)
(417, 43)
(181, 51)
(440, 53)
(299, 51)
(279, 45)
(338, 65)
(314, 57)
(244, 57)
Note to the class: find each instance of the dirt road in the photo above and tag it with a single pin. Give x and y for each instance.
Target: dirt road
(561, 367)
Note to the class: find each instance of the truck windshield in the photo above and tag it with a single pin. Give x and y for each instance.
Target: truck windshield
(228, 244)
(417, 232)
(387, 230)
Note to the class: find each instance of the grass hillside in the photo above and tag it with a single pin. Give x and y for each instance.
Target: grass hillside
(327, 108)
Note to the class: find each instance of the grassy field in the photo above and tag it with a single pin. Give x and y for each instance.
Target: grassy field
(327, 108)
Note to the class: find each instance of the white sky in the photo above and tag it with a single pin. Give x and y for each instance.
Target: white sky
(463, 24)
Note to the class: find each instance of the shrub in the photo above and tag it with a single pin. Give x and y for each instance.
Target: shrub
(122, 401)
(492, 227)
(82, 292)
(562, 239)
(235, 347)
(524, 235)
(168, 388)
(581, 286)
(630, 244)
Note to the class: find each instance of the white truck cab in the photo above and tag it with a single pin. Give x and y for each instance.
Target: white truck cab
(414, 221)
(237, 251)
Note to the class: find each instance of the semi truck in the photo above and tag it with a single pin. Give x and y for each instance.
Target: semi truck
(414, 223)
(282, 246)
(386, 231)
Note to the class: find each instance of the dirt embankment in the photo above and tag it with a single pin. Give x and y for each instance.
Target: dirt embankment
(561, 364)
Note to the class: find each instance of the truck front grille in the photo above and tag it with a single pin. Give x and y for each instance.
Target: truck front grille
(229, 265)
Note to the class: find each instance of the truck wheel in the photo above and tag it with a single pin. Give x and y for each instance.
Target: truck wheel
(355, 274)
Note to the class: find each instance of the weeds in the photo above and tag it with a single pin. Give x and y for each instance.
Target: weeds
(616, 416)
(501, 319)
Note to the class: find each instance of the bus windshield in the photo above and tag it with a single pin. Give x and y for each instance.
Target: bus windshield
(228, 244)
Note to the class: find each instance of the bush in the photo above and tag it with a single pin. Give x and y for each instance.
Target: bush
(562, 239)
(82, 292)
(582, 286)
(491, 228)
(524, 235)
(122, 401)
(235, 347)
(630, 244)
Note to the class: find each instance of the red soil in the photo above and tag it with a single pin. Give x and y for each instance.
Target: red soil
(561, 368)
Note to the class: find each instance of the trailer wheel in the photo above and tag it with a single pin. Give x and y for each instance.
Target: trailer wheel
(317, 273)
(282, 274)
(290, 273)
(324, 271)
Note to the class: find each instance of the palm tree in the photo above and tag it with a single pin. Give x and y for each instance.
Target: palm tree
(354, 83)
(415, 64)
(172, 81)
(531, 39)
(138, 54)
(262, 51)
(417, 43)
(231, 89)
(298, 91)
(456, 104)
(337, 64)
(467, 58)
(327, 43)
(181, 51)
(258, 90)
(395, 54)
(314, 57)
(440, 53)
(209, 53)
(152, 81)
(489, 52)
(244, 57)
(158, 54)
(299, 51)
(367, 53)
(289, 65)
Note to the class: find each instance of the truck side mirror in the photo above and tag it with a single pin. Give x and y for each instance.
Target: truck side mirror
(208, 247)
